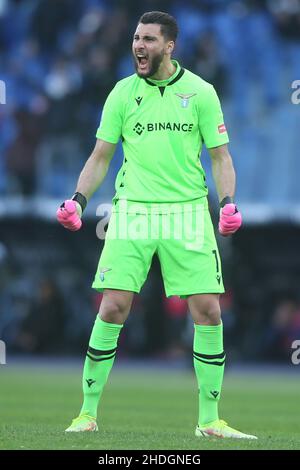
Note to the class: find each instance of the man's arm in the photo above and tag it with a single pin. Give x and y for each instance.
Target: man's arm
(224, 177)
(95, 168)
(93, 173)
(223, 171)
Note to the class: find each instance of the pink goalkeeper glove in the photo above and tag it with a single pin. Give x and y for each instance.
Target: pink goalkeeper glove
(230, 219)
(67, 215)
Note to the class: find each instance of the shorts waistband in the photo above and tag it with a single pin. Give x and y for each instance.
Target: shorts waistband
(134, 207)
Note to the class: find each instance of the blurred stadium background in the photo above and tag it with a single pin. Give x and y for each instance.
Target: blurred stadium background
(59, 59)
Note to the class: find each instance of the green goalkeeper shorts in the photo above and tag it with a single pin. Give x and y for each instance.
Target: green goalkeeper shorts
(182, 236)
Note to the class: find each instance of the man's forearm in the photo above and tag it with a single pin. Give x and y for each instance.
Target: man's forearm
(224, 176)
(95, 169)
(91, 176)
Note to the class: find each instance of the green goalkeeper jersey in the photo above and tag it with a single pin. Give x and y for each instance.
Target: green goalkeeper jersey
(163, 125)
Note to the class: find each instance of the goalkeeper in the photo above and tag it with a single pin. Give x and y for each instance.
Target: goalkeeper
(163, 113)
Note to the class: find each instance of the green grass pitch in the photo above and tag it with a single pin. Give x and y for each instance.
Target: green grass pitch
(143, 409)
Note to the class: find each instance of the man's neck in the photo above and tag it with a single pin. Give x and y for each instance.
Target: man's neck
(165, 71)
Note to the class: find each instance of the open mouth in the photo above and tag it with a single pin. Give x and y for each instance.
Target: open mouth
(142, 60)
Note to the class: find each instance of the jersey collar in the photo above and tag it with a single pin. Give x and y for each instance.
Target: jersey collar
(169, 81)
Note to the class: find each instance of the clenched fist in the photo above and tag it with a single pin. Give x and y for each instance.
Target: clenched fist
(230, 219)
(68, 215)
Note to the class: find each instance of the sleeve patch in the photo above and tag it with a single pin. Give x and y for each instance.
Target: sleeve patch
(221, 129)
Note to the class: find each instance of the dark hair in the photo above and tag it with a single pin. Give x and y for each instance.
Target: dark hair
(168, 24)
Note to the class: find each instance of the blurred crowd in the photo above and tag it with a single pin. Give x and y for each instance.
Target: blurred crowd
(59, 59)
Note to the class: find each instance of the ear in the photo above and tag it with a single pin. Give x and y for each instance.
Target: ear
(170, 47)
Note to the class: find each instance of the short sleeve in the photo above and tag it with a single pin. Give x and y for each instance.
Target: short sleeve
(211, 121)
(110, 128)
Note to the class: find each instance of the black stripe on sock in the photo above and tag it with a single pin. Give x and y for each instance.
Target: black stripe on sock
(101, 352)
(210, 356)
(214, 363)
(101, 358)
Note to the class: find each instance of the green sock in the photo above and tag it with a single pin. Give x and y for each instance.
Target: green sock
(209, 360)
(98, 363)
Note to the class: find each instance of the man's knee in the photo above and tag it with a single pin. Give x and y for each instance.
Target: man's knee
(212, 312)
(205, 309)
(115, 307)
